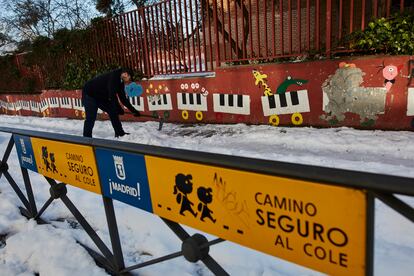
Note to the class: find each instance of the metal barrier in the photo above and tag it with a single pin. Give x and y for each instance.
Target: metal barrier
(291, 211)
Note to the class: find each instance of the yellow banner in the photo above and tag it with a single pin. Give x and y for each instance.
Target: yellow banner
(314, 225)
(70, 163)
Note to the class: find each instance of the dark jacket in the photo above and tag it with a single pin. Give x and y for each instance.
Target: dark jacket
(107, 87)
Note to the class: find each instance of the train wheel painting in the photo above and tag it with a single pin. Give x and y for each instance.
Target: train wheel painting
(297, 119)
(184, 114)
(274, 120)
(199, 115)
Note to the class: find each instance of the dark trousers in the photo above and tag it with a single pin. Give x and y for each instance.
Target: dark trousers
(91, 110)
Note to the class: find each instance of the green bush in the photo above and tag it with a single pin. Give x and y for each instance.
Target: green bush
(78, 72)
(393, 35)
(65, 61)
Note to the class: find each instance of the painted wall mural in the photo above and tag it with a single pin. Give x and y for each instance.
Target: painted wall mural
(283, 102)
(281, 89)
(260, 80)
(192, 97)
(390, 72)
(362, 93)
(294, 103)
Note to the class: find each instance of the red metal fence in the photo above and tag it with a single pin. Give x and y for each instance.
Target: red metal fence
(164, 38)
(179, 36)
(182, 36)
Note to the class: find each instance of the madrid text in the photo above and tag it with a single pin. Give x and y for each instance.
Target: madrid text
(125, 189)
(28, 160)
(295, 219)
(84, 173)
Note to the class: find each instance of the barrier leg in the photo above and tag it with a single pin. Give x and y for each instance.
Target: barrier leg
(196, 247)
(107, 261)
(4, 167)
(44, 207)
(17, 190)
(3, 163)
(29, 192)
(113, 233)
(397, 204)
(153, 261)
(369, 263)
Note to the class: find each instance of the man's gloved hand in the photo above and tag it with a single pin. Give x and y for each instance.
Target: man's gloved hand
(136, 113)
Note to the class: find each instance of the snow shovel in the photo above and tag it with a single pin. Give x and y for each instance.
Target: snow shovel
(161, 119)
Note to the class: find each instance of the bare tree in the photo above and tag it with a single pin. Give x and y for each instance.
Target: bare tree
(114, 7)
(28, 19)
(5, 38)
(76, 14)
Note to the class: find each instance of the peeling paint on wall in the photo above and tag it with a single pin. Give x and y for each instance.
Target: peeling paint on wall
(343, 93)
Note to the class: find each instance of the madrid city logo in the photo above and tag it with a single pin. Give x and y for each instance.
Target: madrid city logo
(119, 167)
(121, 175)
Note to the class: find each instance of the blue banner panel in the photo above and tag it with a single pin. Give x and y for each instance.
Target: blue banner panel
(25, 152)
(124, 177)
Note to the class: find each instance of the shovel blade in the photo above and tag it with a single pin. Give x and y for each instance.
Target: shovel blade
(161, 123)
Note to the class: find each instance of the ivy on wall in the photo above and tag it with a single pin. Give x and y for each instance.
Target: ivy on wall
(78, 72)
(393, 35)
(67, 60)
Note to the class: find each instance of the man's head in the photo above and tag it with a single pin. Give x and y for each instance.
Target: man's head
(127, 75)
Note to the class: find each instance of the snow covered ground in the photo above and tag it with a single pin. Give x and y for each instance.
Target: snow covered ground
(27, 248)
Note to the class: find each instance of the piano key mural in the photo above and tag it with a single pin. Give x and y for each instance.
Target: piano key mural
(375, 92)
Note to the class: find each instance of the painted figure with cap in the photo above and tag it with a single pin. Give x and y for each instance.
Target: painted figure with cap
(105, 91)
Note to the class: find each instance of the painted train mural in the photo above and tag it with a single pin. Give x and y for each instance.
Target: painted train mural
(371, 92)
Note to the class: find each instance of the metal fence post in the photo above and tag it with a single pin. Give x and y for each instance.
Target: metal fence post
(328, 28)
(147, 68)
(216, 33)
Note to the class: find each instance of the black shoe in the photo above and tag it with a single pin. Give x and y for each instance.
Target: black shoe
(121, 134)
